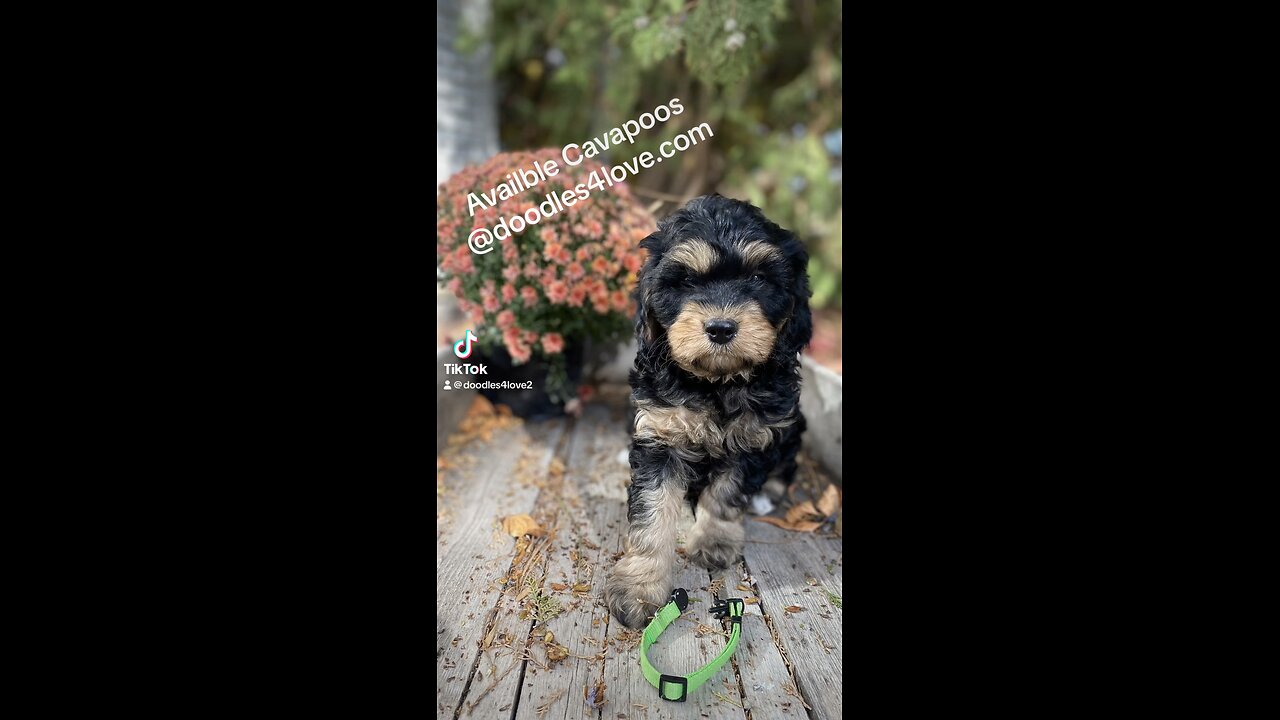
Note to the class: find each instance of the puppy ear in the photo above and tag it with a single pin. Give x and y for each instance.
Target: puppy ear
(647, 328)
(798, 330)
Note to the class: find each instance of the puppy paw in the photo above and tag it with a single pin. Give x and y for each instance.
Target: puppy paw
(714, 553)
(715, 543)
(635, 590)
(774, 491)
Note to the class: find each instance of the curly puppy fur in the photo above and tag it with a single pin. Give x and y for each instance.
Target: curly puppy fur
(723, 312)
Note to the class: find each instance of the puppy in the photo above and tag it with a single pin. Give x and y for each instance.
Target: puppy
(723, 312)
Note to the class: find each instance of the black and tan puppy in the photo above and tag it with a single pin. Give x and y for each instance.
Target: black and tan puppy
(723, 314)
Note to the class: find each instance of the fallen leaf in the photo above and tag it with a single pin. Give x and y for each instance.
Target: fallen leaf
(582, 587)
(521, 525)
(811, 581)
(750, 601)
(793, 609)
(556, 653)
(804, 511)
(548, 638)
(798, 526)
(830, 501)
(595, 695)
(743, 587)
(559, 586)
(774, 521)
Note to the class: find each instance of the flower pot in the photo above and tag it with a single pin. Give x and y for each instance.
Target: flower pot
(536, 403)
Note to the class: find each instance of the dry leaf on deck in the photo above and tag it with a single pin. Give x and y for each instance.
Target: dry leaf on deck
(750, 601)
(802, 526)
(520, 525)
(556, 653)
(804, 511)
(594, 696)
(793, 609)
(806, 516)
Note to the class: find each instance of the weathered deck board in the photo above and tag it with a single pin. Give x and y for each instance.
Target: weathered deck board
(783, 563)
(586, 513)
(471, 552)
(592, 517)
(501, 681)
(758, 663)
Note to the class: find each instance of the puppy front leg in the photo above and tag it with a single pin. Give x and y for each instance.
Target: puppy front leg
(717, 537)
(640, 583)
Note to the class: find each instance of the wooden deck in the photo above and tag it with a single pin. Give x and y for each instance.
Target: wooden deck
(492, 662)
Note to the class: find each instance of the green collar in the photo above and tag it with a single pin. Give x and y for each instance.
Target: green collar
(677, 687)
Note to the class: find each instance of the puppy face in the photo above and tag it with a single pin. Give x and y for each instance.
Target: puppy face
(722, 284)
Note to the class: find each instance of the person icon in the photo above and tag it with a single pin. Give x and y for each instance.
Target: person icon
(446, 385)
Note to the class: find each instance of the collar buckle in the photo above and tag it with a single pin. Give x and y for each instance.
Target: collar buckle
(665, 680)
(731, 607)
(681, 598)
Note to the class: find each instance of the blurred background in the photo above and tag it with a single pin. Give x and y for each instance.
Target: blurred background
(765, 75)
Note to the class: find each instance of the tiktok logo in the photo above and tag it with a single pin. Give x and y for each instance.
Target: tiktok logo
(464, 353)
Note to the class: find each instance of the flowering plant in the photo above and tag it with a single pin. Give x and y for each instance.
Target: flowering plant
(567, 277)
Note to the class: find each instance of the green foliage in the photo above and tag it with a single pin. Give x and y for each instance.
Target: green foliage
(765, 75)
(727, 37)
(721, 39)
(542, 607)
(792, 181)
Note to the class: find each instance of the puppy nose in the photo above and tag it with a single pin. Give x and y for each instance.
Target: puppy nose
(720, 331)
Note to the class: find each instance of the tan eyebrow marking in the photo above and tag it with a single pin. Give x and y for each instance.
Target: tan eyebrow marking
(697, 255)
(758, 252)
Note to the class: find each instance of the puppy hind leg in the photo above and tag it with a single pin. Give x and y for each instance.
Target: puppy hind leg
(717, 537)
(784, 473)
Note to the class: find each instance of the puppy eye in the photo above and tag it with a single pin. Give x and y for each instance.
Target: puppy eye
(759, 277)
